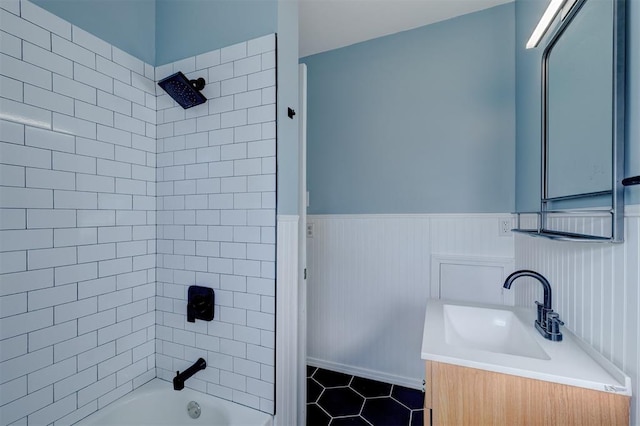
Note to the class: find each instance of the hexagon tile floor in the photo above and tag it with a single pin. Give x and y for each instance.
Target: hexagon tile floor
(340, 399)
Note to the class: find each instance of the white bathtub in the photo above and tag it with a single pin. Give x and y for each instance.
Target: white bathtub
(156, 403)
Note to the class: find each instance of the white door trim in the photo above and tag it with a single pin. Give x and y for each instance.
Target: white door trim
(302, 247)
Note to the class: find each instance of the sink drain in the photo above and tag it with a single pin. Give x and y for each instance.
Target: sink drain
(193, 409)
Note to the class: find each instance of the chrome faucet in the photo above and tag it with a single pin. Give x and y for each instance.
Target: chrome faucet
(548, 322)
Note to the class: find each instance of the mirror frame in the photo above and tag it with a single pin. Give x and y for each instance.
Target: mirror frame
(616, 195)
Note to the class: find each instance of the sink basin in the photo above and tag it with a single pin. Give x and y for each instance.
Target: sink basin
(492, 330)
(503, 339)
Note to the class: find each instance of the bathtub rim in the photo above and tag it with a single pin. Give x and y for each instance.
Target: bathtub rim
(157, 384)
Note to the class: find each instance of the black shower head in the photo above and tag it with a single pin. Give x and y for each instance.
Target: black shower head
(184, 91)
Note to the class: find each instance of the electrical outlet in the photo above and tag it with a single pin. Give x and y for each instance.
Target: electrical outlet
(504, 227)
(309, 230)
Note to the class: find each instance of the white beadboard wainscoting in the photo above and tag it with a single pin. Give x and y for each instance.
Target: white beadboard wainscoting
(287, 395)
(369, 279)
(596, 290)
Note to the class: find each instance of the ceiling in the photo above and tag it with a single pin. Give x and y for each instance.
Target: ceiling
(330, 24)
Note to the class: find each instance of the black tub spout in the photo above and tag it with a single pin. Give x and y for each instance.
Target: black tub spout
(178, 381)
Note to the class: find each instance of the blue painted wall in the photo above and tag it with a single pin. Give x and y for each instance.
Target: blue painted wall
(189, 27)
(163, 31)
(128, 25)
(529, 114)
(421, 121)
(288, 173)
(528, 104)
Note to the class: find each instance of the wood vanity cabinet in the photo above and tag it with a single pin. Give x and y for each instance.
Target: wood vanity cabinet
(467, 396)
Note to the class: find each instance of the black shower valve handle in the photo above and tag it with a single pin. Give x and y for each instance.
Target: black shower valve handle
(200, 303)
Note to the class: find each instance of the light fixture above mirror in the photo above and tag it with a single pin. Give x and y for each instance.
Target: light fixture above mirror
(545, 22)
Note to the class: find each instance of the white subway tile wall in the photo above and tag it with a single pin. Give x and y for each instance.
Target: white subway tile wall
(216, 224)
(78, 176)
(77, 245)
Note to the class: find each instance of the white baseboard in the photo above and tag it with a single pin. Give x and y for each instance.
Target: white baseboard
(409, 382)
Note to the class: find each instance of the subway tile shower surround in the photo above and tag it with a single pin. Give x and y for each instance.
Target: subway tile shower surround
(216, 193)
(113, 200)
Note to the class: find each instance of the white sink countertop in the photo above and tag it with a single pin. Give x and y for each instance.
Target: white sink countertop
(570, 362)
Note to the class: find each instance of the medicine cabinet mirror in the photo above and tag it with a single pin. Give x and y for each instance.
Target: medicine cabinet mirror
(583, 125)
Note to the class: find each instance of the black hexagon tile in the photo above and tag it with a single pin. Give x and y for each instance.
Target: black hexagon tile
(313, 390)
(385, 412)
(311, 370)
(349, 421)
(413, 399)
(370, 388)
(316, 416)
(331, 379)
(341, 402)
(336, 399)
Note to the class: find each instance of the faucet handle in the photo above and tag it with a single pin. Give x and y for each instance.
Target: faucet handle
(542, 314)
(554, 322)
